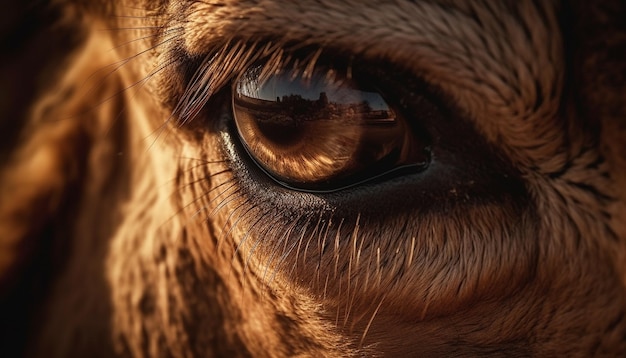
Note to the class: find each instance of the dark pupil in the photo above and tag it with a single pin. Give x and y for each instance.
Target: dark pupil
(283, 132)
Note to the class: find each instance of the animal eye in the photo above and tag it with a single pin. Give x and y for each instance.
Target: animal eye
(323, 131)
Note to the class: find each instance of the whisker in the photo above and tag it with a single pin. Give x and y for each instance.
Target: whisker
(350, 291)
(204, 195)
(225, 201)
(351, 296)
(411, 253)
(185, 206)
(237, 253)
(119, 64)
(134, 28)
(284, 237)
(369, 323)
(203, 178)
(143, 17)
(204, 161)
(294, 244)
(232, 183)
(337, 254)
(324, 226)
(338, 305)
(154, 35)
(234, 223)
(300, 241)
(260, 237)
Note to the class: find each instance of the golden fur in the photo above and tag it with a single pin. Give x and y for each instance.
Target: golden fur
(126, 228)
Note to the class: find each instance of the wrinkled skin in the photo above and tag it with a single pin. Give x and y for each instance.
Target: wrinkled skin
(132, 223)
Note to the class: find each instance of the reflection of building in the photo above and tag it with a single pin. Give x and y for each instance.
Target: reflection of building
(323, 100)
(298, 109)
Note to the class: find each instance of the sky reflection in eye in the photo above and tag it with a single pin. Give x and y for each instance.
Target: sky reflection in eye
(282, 85)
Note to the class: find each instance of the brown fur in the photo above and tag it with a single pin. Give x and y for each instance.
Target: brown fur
(126, 229)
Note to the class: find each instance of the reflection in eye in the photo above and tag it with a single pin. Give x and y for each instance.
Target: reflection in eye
(322, 132)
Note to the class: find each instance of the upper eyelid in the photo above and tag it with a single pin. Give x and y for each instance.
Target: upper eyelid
(485, 61)
(228, 62)
(426, 38)
(230, 49)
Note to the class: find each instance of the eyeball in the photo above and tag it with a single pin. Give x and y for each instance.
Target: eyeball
(322, 132)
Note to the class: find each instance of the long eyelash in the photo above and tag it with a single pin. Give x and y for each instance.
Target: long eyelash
(227, 62)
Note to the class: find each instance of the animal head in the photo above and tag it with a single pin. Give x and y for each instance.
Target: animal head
(278, 178)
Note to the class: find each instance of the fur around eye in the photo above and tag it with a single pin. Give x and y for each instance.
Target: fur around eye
(158, 200)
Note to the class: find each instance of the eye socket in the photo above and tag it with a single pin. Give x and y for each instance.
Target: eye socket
(323, 131)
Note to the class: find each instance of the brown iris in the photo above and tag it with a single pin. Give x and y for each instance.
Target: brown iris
(323, 132)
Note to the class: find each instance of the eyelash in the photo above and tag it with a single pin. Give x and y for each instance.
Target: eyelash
(208, 75)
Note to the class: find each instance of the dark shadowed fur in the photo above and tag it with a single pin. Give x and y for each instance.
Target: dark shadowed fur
(131, 223)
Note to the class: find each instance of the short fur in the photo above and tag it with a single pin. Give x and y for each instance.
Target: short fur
(127, 229)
